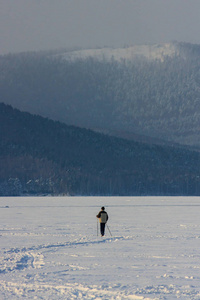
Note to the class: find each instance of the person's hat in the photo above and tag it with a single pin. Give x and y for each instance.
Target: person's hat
(102, 208)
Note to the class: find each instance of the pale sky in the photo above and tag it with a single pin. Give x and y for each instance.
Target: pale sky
(49, 24)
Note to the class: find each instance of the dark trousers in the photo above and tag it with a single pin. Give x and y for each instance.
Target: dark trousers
(102, 228)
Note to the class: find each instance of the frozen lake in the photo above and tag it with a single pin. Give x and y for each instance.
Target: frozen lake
(49, 248)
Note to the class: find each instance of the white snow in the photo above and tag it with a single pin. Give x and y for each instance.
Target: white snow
(49, 248)
(151, 52)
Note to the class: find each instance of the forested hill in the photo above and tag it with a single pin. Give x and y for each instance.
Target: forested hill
(153, 91)
(40, 156)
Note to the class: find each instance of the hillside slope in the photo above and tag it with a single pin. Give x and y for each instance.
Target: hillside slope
(157, 97)
(40, 156)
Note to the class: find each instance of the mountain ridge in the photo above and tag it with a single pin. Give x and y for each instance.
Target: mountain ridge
(151, 52)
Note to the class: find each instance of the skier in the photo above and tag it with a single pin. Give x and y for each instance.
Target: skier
(103, 218)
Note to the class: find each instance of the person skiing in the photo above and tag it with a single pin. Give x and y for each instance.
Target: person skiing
(103, 218)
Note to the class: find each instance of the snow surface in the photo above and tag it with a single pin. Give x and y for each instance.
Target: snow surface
(151, 52)
(50, 249)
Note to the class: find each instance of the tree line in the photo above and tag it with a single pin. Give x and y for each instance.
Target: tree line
(41, 156)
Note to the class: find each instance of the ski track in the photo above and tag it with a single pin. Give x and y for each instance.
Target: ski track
(154, 258)
(21, 258)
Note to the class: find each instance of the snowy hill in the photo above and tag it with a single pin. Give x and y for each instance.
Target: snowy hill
(151, 52)
(149, 90)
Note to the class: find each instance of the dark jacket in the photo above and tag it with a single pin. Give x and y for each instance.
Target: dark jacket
(102, 216)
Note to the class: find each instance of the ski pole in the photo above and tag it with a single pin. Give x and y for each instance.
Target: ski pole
(97, 227)
(109, 229)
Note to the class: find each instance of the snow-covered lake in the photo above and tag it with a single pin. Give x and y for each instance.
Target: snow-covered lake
(49, 248)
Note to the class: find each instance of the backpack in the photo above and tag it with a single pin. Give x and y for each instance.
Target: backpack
(103, 218)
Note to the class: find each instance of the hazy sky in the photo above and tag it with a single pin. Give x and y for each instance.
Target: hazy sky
(49, 24)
